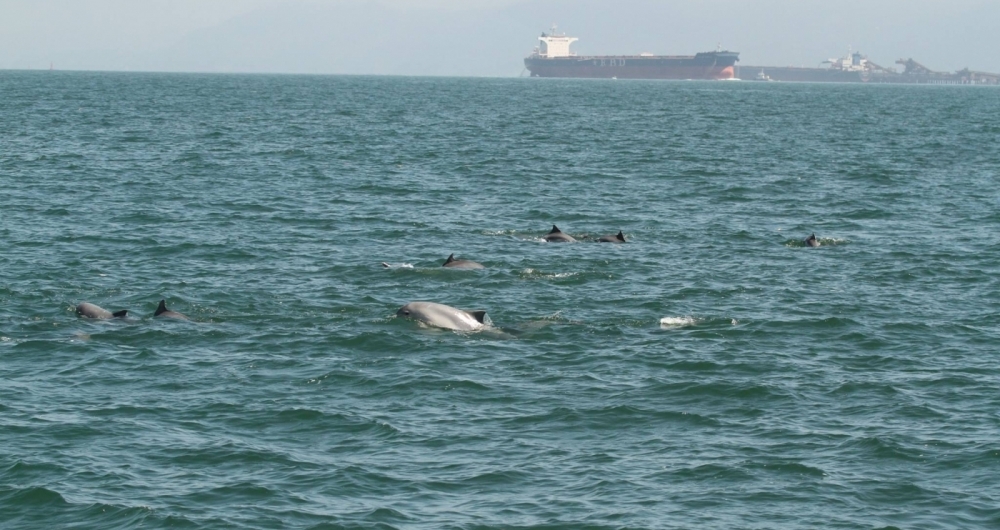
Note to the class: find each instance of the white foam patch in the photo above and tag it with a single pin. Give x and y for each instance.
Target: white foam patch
(676, 322)
(535, 273)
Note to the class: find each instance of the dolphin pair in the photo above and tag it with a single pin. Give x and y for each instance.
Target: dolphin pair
(558, 236)
(444, 316)
(88, 310)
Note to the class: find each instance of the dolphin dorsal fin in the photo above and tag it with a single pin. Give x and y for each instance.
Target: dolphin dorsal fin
(478, 315)
(555, 230)
(162, 308)
(620, 236)
(450, 259)
(120, 314)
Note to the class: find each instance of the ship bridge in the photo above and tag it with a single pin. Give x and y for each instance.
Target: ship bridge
(555, 44)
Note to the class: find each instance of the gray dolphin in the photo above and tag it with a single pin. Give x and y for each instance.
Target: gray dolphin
(163, 312)
(88, 310)
(453, 263)
(620, 238)
(557, 236)
(443, 316)
(811, 241)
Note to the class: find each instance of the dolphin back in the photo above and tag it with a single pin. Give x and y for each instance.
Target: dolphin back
(443, 316)
(556, 235)
(481, 316)
(89, 310)
(162, 311)
(617, 238)
(453, 263)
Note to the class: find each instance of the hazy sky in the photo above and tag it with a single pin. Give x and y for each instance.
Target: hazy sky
(480, 37)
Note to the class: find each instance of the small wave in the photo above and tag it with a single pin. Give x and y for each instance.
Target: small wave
(677, 322)
(884, 448)
(35, 496)
(791, 468)
(706, 472)
(535, 273)
(397, 265)
(387, 515)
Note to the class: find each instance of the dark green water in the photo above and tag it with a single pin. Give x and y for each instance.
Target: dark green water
(713, 372)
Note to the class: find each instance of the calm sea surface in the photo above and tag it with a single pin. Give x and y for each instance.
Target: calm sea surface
(713, 372)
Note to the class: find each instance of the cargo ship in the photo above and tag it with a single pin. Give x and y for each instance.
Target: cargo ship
(552, 58)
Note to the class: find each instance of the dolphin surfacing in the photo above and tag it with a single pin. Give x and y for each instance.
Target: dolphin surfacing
(163, 312)
(619, 238)
(558, 236)
(89, 310)
(453, 263)
(444, 316)
(811, 241)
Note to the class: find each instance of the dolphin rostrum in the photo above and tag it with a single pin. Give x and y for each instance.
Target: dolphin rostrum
(453, 263)
(88, 310)
(557, 236)
(620, 238)
(162, 311)
(443, 316)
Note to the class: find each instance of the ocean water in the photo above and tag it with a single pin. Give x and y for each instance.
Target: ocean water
(712, 372)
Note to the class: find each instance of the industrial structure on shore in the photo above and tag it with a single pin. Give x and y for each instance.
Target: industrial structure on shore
(857, 68)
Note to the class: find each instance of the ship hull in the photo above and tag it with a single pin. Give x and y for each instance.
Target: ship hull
(709, 65)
